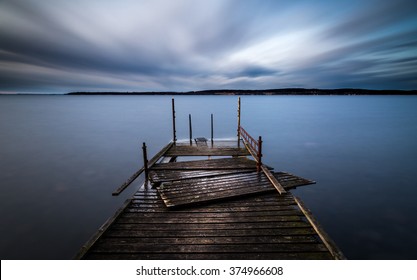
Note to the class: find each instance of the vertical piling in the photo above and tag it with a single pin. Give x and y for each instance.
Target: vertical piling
(212, 130)
(191, 129)
(174, 132)
(259, 155)
(145, 161)
(238, 122)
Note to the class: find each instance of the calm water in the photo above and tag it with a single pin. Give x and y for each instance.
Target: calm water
(62, 156)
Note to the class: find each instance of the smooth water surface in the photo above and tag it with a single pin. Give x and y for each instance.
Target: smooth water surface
(62, 156)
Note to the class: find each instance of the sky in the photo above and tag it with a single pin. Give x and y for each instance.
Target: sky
(60, 46)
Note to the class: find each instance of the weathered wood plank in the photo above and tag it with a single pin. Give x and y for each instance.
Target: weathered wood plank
(273, 180)
(158, 176)
(213, 256)
(328, 242)
(273, 198)
(290, 181)
(214, 226)
(210, 215)
(137, 173)
(161, 205)
(217, 181)
(208, 211)
(128, 181)
(139, 233)
(211, 197)
(216, 164)
(206, 151)
(204, 240)
(206, 220)
(194, 191)
(209, 248)
(87, 246)
(232, 185)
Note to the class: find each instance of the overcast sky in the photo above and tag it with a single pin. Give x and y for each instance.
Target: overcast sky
(57, 46)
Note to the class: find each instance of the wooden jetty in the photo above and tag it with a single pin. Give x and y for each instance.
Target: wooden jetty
(227, 206)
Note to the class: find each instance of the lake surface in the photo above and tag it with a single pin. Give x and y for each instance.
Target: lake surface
(62, 156)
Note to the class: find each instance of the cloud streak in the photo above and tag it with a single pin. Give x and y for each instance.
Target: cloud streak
(61, 46)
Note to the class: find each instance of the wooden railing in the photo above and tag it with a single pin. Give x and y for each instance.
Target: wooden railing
(254, 146)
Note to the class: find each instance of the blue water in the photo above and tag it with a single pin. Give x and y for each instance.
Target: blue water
(62, 156)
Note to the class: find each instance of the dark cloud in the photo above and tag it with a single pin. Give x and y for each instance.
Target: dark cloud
(190, 45)
(256, 71)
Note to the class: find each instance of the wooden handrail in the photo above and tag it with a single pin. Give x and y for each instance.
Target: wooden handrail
(254, 146)
(249, 139)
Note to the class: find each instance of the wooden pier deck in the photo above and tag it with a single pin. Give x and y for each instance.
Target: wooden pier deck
(222, 207)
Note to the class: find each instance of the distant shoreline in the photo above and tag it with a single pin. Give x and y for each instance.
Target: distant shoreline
(284, 91)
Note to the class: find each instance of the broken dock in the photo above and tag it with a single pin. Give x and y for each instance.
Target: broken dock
(227, 205)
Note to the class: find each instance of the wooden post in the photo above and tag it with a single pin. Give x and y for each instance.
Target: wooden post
(259, 155)
(211, 129)
(137, 173)
(174, 132)
(191, 129)
(145, 161)
(238, 122)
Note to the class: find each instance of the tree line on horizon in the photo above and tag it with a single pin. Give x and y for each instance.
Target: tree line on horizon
(283, 91)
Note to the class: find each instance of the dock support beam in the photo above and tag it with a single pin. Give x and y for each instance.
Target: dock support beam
(174, 132)
(238, 122)
(259, 155)
(191, 129)
(212, 130)
(145, 161)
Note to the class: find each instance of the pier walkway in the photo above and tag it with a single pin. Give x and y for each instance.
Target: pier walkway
(227, 205)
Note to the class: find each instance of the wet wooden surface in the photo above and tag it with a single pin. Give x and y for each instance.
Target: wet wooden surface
(206, 189)
(173, 171)
(194, 150)
(213, 164)
(266, 226)
(200, 187)
(211, 209)
(290, 181)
